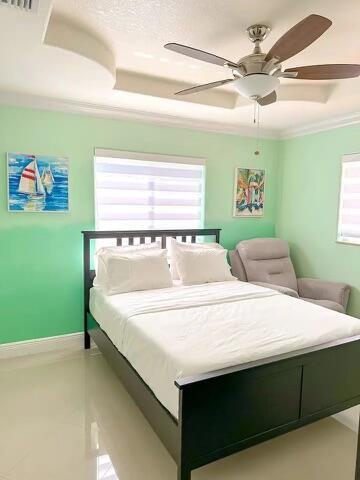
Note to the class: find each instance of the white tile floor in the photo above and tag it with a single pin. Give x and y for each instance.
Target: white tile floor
(67, 417)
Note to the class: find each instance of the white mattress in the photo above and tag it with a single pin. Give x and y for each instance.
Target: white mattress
(184, 330)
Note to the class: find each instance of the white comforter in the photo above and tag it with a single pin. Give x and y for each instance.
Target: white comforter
(175, 332)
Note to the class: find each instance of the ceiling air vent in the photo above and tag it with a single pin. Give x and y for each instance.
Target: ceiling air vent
(25, 5)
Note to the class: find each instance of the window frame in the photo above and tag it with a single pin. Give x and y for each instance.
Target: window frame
(349, 157)
(151, 157)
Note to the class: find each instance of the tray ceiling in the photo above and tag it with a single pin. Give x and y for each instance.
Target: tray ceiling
(110, 53)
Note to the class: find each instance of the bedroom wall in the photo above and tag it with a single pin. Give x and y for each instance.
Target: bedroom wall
(41, 253)
(307, 215)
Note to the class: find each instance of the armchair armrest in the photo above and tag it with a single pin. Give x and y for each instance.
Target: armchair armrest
(323, 290)
(278, 288)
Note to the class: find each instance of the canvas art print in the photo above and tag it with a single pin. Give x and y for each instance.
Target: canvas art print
(38, 183)
(249, 192)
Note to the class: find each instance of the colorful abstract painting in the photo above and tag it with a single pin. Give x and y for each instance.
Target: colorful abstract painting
(37, 183)
(249, 192)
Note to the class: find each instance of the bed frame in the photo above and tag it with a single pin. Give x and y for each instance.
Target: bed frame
(225, 411)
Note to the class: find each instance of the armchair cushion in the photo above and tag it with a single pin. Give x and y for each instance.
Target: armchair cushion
(278, 288)
(312, 288)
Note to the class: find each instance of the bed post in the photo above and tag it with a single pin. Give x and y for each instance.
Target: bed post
(357, 468)
(184, 473)
(86, 340)
(86, 289)
(184, 469)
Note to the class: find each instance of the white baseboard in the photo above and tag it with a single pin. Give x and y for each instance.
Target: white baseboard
(71, 342)
(349, 418)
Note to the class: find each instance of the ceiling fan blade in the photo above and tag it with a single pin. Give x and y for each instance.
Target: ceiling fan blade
(326, 72)
(271, 98)
(206, 86)
(199, 54)
(299, 37)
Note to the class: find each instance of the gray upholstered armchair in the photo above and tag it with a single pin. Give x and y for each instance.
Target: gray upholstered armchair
(266, 262)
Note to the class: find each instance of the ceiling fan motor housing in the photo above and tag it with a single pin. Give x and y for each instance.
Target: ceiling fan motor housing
(254, 78)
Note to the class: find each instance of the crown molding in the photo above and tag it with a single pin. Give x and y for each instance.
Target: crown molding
(329, 124)
(119, 113)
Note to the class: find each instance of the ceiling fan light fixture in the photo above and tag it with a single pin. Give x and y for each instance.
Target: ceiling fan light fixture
(257, 85)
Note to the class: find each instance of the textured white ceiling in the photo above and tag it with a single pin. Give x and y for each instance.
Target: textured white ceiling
(135, 32)
(138, 29)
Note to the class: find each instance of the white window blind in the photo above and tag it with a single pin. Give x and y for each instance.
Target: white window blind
(136, 191)
(349, 207)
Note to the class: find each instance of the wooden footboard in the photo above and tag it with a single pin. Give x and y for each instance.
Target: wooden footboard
(231, 409)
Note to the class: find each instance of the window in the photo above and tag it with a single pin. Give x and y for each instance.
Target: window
(135, 191)
(349, 207)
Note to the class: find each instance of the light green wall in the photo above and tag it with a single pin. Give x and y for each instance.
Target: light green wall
(307, 214)
(41, 253)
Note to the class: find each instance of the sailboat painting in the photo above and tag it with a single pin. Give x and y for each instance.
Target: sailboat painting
(37, 183)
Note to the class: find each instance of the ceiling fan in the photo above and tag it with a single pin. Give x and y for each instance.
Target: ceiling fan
(256, 76)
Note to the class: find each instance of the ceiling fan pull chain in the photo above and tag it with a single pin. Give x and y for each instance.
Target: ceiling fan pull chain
(257, 151)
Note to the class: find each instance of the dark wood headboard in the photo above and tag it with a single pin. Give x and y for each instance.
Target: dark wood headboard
(131, 235)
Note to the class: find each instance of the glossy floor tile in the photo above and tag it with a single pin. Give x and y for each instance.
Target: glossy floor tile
(67, 417)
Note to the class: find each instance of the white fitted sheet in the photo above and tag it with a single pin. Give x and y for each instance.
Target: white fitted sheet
(171, 333)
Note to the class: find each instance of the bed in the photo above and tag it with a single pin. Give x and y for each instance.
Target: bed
(214, 394)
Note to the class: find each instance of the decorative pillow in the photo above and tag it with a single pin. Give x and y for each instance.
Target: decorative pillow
(100, 264)
(137, 271)
(175, 246)
(203, 266)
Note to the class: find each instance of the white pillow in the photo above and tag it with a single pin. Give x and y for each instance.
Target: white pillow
(129, 248)
(100, 264)
(137, 271)
(175, 246)
(203, 266)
